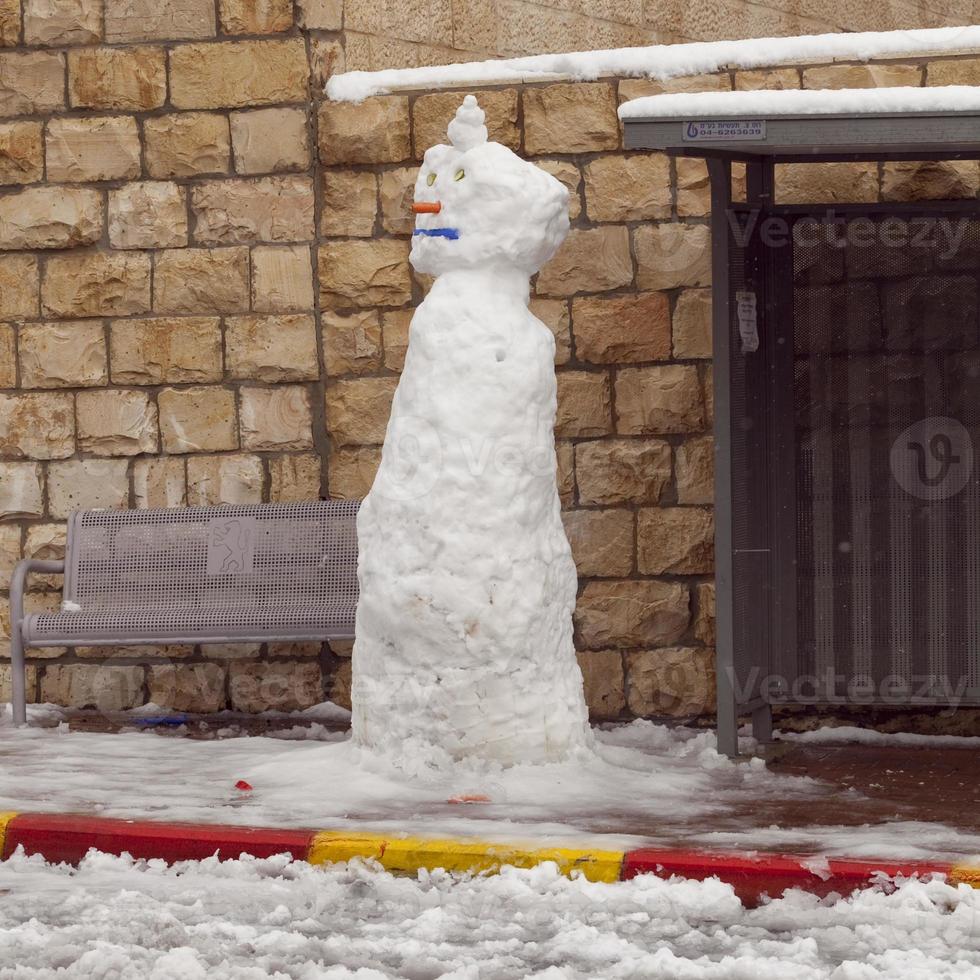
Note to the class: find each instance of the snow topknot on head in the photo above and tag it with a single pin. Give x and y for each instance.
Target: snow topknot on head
(468, 128)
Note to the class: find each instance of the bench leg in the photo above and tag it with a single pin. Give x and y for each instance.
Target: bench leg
(18, 680)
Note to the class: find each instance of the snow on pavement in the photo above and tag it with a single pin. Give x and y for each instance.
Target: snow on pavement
(116, 919)
(646, 784)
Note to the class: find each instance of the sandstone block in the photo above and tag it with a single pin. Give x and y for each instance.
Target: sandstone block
(31, 83)
(160, 482)
(619, 471)
(632, 614)
(692, 324)
(553, 313)
(672, 255)
(96, 148)
(696, 471)
(958, 71)
(234, 479)
(862, 76)
(201, 280)
(9, 22)
(21, 490)
(269, 140)
(274, 686)
(282, 278)
(62, 354)
(364, 273)
(197, 688)
(158, 20)
(47, 542)
(352, 344)
(196, 420)
(622, 329)
(693, 188)
(58, 22)
(575, 117)
(350, 203)
(238, 74)
(116, 423)
(584, 405)
(117, 78)
(675, 540)
(395, 328)
(86, 484)
(357, 411)
(148, 214)
(185, 144)
(350, 472)
(339, 687)
(9, 549)
(96, 284)
(635, 88)
(255, 16)
(50, 217)
(397, 194)
(19, 286)
(704, 619)
(830, 183)
(591, 260)
(601, 540)
(272, 348)
(678, 682)
(327, 57)
(570, 175)
(767, 78)
(321, 15)
(21, 153)
(602, 674)
(276, 418)
(628, 188)
(30, 679)
(373, 131)
(163, 350)
(432, 113)
(930, 180)
(39, 425)
(8, 356)
(294, 478)
(90, 686)
(659, 399)
(267, 209)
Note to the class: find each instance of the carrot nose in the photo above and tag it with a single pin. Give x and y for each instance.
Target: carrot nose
(427, 207)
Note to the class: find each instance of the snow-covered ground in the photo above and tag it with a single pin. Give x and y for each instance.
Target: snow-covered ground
(645, 784)
(249, 919)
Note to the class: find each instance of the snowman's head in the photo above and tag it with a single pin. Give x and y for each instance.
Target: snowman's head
(479, 204)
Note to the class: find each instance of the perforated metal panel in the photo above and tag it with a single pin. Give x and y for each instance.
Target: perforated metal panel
(271, 571)
(854, 453)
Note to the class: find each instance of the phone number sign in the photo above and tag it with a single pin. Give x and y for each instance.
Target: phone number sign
(722, 130)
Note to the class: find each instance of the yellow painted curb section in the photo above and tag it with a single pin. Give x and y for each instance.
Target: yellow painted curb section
(406, 855)
(5, 818)
(964, 875)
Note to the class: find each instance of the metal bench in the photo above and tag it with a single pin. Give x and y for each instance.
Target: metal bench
(225, 574)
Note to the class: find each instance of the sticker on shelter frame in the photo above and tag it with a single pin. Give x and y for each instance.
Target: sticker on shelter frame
(721, 130)
(747, 311)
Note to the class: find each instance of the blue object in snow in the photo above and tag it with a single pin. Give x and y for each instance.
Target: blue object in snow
(451, 233)
(164, 720)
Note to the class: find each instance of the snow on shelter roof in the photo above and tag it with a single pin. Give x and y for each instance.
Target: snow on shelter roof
(661, 61)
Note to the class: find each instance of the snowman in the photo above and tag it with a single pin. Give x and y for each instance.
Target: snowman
(467, 584)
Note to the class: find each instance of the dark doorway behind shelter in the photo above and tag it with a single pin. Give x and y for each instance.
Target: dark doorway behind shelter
(847, 396)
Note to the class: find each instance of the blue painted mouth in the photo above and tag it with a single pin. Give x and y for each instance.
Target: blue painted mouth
(450, 233)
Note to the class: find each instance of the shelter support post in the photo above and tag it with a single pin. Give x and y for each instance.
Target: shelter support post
(720, 173)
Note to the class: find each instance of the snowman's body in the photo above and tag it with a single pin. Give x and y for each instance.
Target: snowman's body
(464, 625)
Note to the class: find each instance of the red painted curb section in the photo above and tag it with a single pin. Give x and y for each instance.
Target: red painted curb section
(771, 874)
(67, 838)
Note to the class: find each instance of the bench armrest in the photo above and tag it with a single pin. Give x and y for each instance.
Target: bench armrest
(18, 584)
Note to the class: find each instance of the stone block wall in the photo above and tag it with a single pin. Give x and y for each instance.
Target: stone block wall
(205, 298)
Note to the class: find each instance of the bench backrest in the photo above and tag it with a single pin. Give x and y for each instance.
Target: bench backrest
(262, 554)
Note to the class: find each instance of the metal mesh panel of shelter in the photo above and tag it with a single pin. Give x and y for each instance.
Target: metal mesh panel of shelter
(271, 570)
(885, 391)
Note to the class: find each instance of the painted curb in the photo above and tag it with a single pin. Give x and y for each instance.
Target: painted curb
(66, 838)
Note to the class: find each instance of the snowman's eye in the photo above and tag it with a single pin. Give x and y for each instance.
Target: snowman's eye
(431, 179)
(460, 174)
